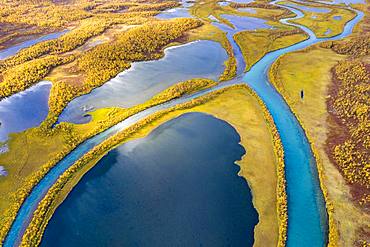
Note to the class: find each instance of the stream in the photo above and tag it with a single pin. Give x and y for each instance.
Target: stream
(307, 222)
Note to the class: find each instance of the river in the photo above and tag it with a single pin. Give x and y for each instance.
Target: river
(307, 223)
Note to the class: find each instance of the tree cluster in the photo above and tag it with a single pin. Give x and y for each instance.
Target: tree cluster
(25, 75)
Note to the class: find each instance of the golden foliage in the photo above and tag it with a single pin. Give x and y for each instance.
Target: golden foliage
(41, 14)
(351, 106)
(107, 60)
(141, 43)
(154, 6)
(358, 46)
(38, 223)
(25, 75)
(72, 139)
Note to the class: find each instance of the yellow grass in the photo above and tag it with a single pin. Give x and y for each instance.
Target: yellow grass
(309, 70)
(255, 44)
(319, 23)
(258, 166)
(31, 149)
(27, 153)
(203, 9)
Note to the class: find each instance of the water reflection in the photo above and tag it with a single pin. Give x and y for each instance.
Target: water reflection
(176, 187)
(14, 49)
(24, 110)
(145, 79)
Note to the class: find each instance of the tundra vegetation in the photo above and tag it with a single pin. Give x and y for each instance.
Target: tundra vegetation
(127, 31)
(323, 24)
(334, 76)
(242, 104)
(255, 44)
(163, 33)
(33, 152)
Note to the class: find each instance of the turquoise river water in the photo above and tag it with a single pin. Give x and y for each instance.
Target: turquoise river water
(307, 223)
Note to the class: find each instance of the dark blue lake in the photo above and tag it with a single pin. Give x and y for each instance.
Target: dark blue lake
(176, 187)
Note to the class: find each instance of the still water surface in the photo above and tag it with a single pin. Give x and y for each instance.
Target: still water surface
(200, 59)
(176, 187)
(24, 110)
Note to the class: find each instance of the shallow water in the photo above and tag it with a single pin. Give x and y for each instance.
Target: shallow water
(24, 110)
(145, 79)
(246, 22)
(3, 172)
(308, 8)
(248, 10)
(307, 224)
(14, 49)
(240, 23)
(328, 31)
(176, 187)
(347, 2)
(174, 13)
(182, 11)
(224, 3)
(243, 1)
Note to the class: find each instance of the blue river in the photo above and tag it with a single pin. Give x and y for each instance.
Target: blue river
(307, 223)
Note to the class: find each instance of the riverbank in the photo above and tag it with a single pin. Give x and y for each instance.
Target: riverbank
(256, 44)
(260, 169)
(291, 74)
(324, 24)
(34, 152)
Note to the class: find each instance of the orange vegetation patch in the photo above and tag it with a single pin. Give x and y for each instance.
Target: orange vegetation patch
(348, 142)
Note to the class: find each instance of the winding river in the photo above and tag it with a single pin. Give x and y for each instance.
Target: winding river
(307, 223)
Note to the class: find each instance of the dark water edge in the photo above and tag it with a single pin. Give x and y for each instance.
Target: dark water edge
(176, 187)
(24, 110)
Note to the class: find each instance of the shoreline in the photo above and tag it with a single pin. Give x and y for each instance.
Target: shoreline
(336, 192)
(51, 206)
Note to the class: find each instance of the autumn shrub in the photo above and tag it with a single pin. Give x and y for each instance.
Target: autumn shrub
(350, 105)
(25, 75)
(34, 231)
(105, 61)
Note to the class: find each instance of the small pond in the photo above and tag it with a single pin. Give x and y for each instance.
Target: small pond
(308, 8)
(248, 10)
(328, 31)
(337, 17)
(16, 48)
(245, 22)
(224, 3)
(24, 110)
(174, 13)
